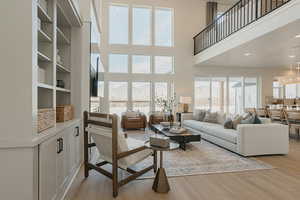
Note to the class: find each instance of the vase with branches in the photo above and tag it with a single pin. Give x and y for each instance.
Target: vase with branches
(167, 105)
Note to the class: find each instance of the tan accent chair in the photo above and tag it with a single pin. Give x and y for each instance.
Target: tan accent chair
(114, 149)
(133, 120)
(157, 117)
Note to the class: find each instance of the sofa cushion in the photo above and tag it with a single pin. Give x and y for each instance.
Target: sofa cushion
(199, 114)
(216, 130)
(211, 117)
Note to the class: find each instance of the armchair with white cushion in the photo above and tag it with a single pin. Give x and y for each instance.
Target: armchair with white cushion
(114, 149)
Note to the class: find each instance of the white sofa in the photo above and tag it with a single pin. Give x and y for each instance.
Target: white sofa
(248, 140)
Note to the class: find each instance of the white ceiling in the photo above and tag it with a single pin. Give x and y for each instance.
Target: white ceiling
(270, 50)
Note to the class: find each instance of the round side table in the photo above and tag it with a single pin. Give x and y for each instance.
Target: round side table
(161, 183)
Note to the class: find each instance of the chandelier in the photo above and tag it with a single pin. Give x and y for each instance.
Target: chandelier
(293, 76)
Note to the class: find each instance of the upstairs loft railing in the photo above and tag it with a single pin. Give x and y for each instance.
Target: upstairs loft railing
(237, 17)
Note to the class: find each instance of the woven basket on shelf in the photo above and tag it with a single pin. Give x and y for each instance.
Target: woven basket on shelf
(46, 119)
(64, 113)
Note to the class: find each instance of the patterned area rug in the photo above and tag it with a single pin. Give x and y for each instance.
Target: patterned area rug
(199, 158)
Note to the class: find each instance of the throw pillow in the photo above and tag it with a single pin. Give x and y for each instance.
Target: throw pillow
(221, 118)
(228, 124)
(249, 120)
(211, 117)
(246, 115)
(237, 120)
(199, 115)
(257, 120)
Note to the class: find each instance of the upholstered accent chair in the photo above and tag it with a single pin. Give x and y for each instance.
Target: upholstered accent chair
(114, 149)
(157, 117)
(133, 120)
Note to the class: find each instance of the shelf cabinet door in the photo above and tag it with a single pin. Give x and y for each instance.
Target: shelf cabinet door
(62, 161)
(47, 169)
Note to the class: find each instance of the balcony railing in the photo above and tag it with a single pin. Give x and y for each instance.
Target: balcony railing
(236, 18)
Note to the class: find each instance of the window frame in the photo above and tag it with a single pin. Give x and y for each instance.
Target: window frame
(150, 64)
(151, 42)
(128, 71)
(128, 19)
(154, 64)
(172, 26)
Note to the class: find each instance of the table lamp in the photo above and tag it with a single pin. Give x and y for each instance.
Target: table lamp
(185, 101)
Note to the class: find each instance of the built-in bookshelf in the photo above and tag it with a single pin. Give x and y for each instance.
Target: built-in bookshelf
(54, 29)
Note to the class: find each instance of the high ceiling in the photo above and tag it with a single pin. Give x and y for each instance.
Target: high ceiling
(279, 48)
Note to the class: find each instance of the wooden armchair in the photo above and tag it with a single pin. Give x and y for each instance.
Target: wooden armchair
(114, 149)
(133, 120)
(157, 117)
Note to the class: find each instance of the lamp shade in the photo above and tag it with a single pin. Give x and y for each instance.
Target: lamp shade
(185, 100)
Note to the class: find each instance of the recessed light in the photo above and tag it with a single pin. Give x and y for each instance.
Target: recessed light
(292, 56)
(297, 36)
(247, 54)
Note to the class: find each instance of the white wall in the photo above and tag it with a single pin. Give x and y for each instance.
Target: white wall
(189, 18)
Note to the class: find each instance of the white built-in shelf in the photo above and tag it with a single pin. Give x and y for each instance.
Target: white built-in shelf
(43, 15)
(62, 18)
(43, 57)
(63, 90)
(43, 37)
(61, 37)
(45, 86)
(62, 68)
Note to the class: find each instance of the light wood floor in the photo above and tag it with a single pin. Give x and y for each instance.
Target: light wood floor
(281, 183)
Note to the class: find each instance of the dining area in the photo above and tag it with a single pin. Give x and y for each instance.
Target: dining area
(283, 111)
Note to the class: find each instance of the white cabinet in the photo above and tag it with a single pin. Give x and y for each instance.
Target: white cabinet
(47, 169)
(59, 159)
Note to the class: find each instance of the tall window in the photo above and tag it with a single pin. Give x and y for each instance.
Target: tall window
(163, 64)
(235, 95)
(202, 93)
(141, 64)
(160, 91)
(291, 91)
(141, 96)
(118, 97)
(163, 27)
(118, 63)
(118, 24)
(218, 94)
(211, 93)
(141, 26)
(277, 90)
(95, 34)
(250, 92)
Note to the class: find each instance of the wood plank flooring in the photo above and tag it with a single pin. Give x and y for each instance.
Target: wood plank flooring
(281, 183)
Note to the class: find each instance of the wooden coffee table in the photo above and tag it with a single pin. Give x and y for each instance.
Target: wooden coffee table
(182, 138)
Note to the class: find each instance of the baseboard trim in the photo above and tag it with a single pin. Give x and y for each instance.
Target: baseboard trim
(71, 181)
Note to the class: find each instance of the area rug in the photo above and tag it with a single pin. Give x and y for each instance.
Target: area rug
(199, 158)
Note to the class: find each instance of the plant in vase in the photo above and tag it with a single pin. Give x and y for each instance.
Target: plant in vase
(167, 105)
